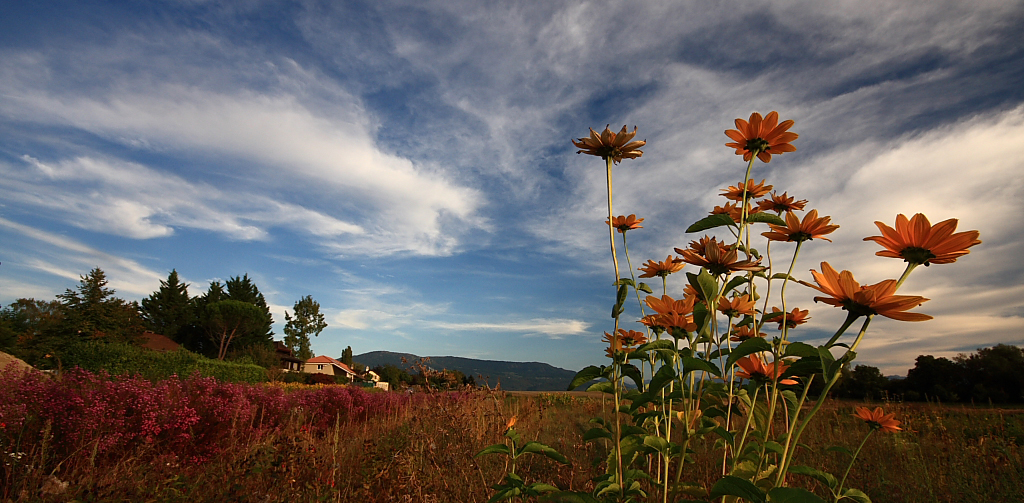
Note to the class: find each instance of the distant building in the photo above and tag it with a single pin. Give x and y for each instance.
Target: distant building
(327, 365)
(288, 361)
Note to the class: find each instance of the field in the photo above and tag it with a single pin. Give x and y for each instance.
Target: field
(85, 437)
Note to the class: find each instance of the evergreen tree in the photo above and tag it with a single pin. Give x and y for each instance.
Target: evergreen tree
(243, 289)
(169, 309)
(307, 321)
(346, 356)
(228, 320)
(92, 311)
(31, 329)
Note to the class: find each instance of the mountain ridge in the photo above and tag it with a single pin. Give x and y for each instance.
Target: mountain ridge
(513, 376)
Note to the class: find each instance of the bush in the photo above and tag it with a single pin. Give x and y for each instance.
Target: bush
(124, 359)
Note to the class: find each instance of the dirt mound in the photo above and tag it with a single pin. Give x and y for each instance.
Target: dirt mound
(6, 359)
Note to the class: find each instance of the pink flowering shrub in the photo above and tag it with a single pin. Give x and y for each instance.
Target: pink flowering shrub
(191, 418)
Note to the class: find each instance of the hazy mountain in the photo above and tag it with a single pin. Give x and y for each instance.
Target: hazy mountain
(514, 376)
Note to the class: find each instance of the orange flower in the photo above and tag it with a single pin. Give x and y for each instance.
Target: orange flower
(761, 137)
(740, 334)
(610, 145)
(661, 269)
(918, 242)
(755, 369)
(632, 337)
(812, 227)
(673, 319)
(878, 419)
(778, 203)
(843, 291)
(511, 423)
(624, 224)
(735, 193)
(793, 318)
(717, 258)
(667, 304)
(733, 210)
(736, 306)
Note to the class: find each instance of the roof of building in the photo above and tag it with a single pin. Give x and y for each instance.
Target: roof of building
(158, 342)
(328, 360)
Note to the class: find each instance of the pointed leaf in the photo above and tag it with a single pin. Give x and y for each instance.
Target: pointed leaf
(586, 375)
(644, 288)
(735, 486)
(625, 281)
(855, 495)
(733, 283)
(596, 433)
(539, 448)
(692, 364)
(604, 387)
(710, 222)
(707, 283)
(747, 347)
(663, 376)
(763, 217)
(824, 477)
(494, 449)
(800, 349)
(792, 495)
(633, 373)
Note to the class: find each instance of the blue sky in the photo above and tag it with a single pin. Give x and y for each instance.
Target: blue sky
(408, 164)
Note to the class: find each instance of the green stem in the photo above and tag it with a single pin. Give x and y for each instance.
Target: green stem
(743, 206)
(839, 491)
(782, 293)
(615, 371)
(906, 272)
(818, 403)
(850, 318)
(611, 228)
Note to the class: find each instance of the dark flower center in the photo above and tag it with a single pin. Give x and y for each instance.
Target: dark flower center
(757, 145)
(916, 255)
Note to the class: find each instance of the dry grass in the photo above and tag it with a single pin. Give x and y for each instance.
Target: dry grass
(423, 452)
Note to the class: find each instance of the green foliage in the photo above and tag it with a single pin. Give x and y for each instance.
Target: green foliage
(346, 356)
(307, 321)
(124, 359)
(93, 312)
(228, 320)
(169, 310)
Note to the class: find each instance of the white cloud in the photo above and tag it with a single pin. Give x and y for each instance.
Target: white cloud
(553, 328)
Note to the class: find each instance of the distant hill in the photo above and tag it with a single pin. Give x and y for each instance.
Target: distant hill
(514, 376)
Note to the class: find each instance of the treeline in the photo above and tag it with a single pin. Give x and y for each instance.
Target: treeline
(424, 376)
(229, 321)
(994, 374)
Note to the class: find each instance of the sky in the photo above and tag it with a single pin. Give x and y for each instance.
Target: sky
(409, 165)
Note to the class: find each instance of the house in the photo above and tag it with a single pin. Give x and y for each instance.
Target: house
(157, 342)
(288, 360)
(327, 365)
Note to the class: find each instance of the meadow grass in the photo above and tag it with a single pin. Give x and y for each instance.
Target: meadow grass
(421, 448)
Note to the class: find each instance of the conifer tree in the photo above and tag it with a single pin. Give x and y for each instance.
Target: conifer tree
(169, 309)
(93, 312)
(308, 320)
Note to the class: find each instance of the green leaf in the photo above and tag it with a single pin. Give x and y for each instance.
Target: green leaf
(800, 349)
(657, 443)
(782, 275)
(855, 495)
(624, 281)
(733, 283)
(604, 387)
(771, 316)
(824, 477)
(663, 376)
(747, 347)
(763, 217)
(633, 373)
(707, 283)
(539, 448)
(494, 449)
(596, 433)
(710, 222)
(538, 488)
(735, 486)
(620, 297)
(610, 488)
(644, 288)
(586, 375)
(792, 495)
(692, 364)
(661, 344)
(775, 447)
